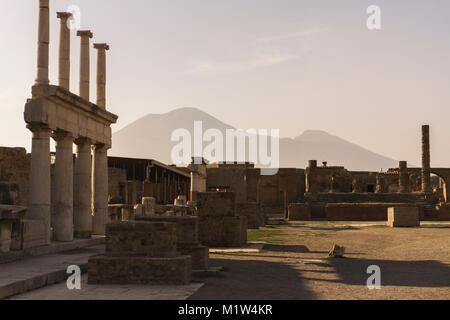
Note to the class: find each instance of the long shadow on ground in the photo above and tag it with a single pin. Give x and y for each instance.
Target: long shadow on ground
(253, 280)
(427, 273)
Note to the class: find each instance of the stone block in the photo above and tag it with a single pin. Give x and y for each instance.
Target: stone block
(217, 204)
(252, 211)
(223, 231)
(199, 256)
(141, 238)
(299, 212)
(138, 210)
(149, 205)
(186, 227)
(180, 201)
(403, 217)
(140, 270)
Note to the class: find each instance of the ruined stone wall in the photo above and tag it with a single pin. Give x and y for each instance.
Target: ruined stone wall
(364, 211)
(14, 175)
(232, 179)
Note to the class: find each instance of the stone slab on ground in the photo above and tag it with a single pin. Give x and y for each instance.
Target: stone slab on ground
(111, 292)
(249, 248)
(21, 276)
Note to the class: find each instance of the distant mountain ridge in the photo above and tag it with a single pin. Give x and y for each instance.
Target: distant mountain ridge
(150, 137)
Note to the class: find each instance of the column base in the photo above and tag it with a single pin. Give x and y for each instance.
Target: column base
(82, 234)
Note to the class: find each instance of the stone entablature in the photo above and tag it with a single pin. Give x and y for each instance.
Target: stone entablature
(61, 110)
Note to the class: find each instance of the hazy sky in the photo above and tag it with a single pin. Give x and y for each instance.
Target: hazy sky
(293, 65)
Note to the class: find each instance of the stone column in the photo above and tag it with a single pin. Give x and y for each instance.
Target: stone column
(84, 63)
(100, 189)
(101, 73)
(43, 42)
(64, 51)
(40, 185)
(403, 177)
(426, 184)
(82, 211)
(62, 213)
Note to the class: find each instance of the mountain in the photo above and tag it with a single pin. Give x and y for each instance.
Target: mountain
(150, 138)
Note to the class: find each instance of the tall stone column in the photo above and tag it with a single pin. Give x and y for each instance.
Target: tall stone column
(40, 181)
(84, 63)
(82, 207)
(403, 177)
(101, 73)
(426, 174)
(62, 213)
(64, 51)
(43, 42)
(100, 188)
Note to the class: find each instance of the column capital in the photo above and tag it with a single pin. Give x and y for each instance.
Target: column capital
(63, 16)
(63, 135)
(39, 130)
(101, 46)
(83, 141)
(85, 33)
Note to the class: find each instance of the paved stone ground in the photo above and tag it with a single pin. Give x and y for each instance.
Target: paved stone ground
(415, 264)
(110, 292)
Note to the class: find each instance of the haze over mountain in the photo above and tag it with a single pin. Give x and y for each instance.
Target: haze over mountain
(150, 137)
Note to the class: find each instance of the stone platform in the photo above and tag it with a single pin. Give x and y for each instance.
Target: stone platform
(187, 238)
(140, 252)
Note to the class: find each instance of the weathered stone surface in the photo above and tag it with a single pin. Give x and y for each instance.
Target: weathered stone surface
(187, 239)
(216, 204)
(223, 231)
(252, 211)
(186, 227)
(199, 256)
(299, 212)
(363, 211)
(403, 217)
(33, 233)
(337, 251)
(140, 270)
(149, 205)
(141, 239)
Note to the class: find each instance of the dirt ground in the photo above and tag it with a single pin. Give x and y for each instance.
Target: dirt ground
(414, 263)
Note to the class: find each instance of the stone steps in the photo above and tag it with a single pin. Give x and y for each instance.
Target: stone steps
(32, 273)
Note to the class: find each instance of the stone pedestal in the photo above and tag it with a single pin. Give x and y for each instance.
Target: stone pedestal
(252, 211)
(403, 217)
(140, 252)
(219, 226)
(149, 205)
(187, 239)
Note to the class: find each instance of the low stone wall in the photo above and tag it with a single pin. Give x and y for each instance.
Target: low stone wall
(15, 166)
(403, 217)
(364, 211)
(299, 212)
